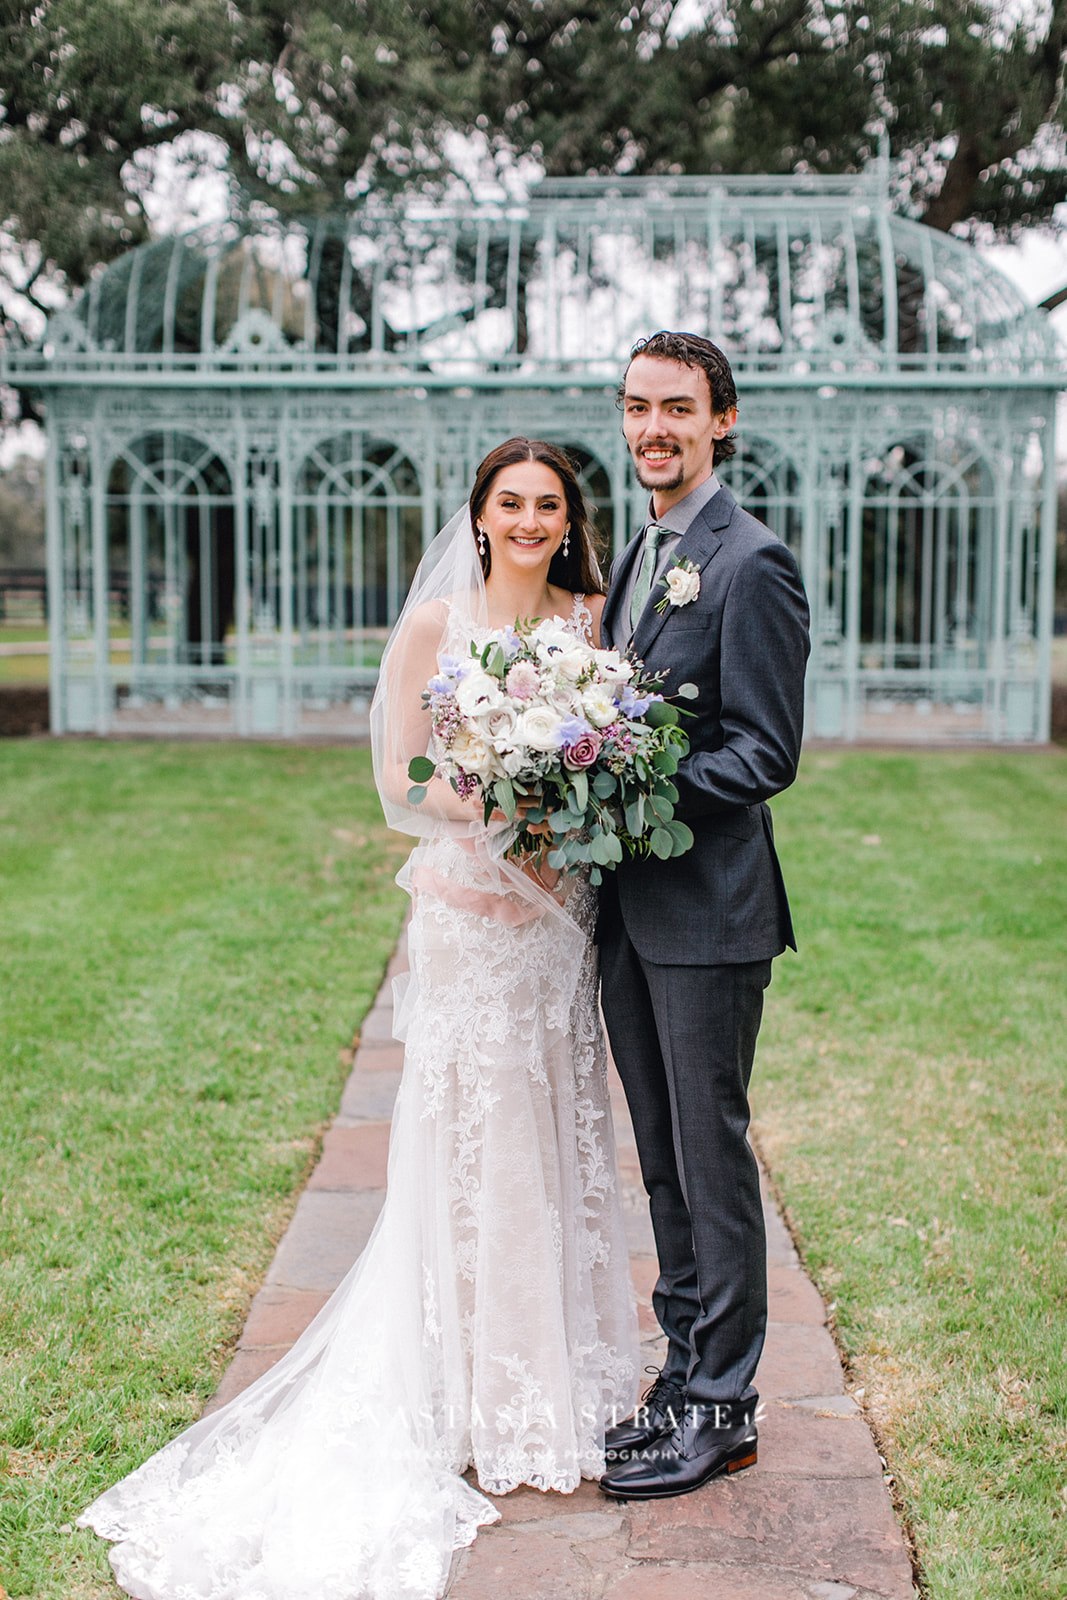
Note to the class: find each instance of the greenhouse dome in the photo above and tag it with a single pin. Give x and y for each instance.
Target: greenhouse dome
(255, 431)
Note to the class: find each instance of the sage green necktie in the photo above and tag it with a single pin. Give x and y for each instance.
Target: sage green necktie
(654, 537)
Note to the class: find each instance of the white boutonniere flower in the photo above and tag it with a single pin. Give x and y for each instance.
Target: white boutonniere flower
(682, 583)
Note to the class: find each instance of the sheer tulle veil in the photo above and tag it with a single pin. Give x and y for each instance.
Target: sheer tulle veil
(446, 594)
(446, 609)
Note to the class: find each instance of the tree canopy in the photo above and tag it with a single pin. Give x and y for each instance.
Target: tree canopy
(970, 97)
(302, 105)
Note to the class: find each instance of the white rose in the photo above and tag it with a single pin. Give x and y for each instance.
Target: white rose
(538, 728)
(565, 700)
(478, 692)
(683, 585)
(474, 755)
(498, 726)
(599, 705)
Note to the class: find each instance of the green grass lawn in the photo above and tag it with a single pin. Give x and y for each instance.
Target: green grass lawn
(190, 937)
(910, 1099)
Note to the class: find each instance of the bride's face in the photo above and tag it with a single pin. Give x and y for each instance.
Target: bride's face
(524, 517)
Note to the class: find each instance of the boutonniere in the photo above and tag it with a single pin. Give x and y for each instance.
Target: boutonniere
(683, 585)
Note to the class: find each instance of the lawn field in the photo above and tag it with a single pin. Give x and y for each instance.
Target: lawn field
(190, 936)
(911, 1100)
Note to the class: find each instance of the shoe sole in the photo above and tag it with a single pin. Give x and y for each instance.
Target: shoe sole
(735, 1464)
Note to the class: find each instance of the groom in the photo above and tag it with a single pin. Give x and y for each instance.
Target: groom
(686, 944)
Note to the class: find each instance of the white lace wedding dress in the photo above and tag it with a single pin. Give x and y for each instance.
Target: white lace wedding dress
(489, 1321)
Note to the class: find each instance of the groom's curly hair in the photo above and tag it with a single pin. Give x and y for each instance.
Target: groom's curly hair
(693, 351)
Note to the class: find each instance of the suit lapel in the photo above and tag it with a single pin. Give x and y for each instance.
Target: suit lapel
(698, 545)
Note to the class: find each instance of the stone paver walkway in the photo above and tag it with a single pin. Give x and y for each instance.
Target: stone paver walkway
(813, 1521)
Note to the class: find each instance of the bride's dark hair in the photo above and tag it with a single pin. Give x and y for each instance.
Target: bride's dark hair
(580, 570)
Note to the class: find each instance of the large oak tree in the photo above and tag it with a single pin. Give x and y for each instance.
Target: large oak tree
(305, 104)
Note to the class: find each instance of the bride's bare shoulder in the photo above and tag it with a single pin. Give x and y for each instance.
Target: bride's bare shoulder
(425, 621)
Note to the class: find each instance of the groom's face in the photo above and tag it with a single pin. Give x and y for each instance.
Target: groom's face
(670, 426)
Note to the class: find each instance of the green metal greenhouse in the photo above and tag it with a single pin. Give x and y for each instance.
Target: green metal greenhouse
(254, 431)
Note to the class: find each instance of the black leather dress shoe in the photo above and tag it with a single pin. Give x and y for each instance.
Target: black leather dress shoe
(694, 1453)
(662, 1408)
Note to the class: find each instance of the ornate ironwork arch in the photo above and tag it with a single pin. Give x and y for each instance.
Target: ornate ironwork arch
(171, 549)
(358, 528)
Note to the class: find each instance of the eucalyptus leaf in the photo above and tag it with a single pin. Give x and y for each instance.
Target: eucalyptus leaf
(604, 785)
(421, 769)
(580, 798)
(660, 713)
(416, 794)
(505, 797)
(682, 835)
(662, 844)
(688, 691)
(599, 851)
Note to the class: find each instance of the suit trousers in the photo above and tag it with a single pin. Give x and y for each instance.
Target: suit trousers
(683, 1039)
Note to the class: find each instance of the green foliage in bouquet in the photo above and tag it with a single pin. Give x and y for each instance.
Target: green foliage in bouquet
(596, 819)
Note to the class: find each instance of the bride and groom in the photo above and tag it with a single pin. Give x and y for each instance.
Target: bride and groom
(489, 1322)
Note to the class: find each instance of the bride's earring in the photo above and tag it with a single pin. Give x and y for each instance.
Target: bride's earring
(481, 540)
(566, 541)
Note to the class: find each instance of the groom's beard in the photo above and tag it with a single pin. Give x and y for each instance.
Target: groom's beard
(659, 483)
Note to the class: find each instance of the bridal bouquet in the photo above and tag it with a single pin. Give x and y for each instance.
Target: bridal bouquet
(580, 735)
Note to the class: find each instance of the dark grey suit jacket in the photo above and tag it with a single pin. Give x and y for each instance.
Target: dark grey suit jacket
(744, 643)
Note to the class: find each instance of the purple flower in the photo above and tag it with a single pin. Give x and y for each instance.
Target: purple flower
(631, 704)
(510, 642)
(452, 671)
(571, 729)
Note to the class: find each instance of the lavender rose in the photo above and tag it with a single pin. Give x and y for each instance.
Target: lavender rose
(583, 752)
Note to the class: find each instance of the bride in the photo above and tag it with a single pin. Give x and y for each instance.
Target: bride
(489, 1322)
